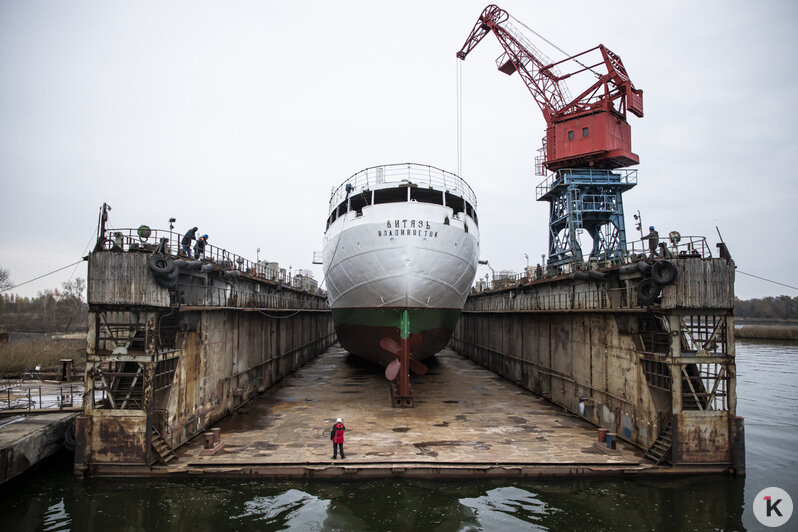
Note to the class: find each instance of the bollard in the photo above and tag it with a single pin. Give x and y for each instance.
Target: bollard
(602, 435)
(217, 435)
(209, 440)
(611, 440)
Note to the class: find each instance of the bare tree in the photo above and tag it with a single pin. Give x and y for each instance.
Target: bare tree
(5, 280)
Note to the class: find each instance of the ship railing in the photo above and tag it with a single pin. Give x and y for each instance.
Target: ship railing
(410, 173)
(137, 240)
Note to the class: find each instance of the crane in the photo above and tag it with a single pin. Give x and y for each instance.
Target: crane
(589, 130)
(587, 144)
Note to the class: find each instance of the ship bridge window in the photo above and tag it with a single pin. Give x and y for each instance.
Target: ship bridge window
(455, 202)
(469, 210)
(426, 195)
(390, 195)
(472, 212)
(358, 201)
(341, 209)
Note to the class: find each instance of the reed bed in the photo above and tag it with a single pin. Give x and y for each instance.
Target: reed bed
(767, 332)
(22, 356)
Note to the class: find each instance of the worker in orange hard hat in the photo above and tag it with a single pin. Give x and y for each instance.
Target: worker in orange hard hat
(199, 247)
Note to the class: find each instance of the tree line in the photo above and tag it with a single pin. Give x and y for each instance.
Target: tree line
(776, 308)
(53, 310)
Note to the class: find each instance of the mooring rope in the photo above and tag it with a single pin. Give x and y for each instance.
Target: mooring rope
(768, 280)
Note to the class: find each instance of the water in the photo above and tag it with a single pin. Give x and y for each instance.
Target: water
(50, 498)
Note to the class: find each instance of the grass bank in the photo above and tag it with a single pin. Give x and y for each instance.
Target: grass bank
(23, 355)
(767, 332)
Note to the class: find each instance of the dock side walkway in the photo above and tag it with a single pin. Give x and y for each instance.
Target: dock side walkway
(467, 422)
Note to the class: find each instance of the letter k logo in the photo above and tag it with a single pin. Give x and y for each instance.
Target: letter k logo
(772, 506)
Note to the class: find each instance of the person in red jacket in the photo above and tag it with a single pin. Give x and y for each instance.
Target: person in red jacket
(337, 437)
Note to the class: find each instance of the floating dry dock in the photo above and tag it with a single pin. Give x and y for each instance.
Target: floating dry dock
(221, 336)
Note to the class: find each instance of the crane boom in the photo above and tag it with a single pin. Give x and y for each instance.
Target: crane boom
(597, 114)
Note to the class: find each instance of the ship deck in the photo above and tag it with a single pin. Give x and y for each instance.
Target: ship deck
(467, 422)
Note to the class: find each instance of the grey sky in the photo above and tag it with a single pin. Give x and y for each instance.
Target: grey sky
(239, 117)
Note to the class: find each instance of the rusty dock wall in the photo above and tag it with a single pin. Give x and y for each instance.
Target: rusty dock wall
(659, 371)
(175, 345)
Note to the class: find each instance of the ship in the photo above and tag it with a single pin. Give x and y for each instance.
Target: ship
(401, 249)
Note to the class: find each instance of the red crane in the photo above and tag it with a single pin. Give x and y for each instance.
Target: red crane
(587, 131)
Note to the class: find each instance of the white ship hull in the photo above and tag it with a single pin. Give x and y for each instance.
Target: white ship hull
(400, 260)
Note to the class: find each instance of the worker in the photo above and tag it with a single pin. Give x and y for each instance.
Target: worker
(185, 244)
(653, 241)
(337, 437)
(199, 247)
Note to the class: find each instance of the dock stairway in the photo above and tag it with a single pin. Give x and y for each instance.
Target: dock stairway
(162, 450)
(658, 452)
(126, 388)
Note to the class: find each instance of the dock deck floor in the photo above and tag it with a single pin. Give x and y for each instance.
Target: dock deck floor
(467, 421)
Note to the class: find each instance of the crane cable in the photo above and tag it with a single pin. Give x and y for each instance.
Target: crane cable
(563, 52)
(459, 82)
(41, 276)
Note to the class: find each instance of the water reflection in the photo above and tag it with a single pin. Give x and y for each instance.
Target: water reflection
(56, 517)
(65, 503)
(506, 508)
(292, 509)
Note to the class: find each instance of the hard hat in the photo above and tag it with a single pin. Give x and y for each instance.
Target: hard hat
(339, 420)
(205, 236)
(651, 227)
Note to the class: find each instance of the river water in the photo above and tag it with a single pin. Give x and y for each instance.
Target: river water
(50, 498)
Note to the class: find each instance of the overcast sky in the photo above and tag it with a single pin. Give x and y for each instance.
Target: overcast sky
(239, 117)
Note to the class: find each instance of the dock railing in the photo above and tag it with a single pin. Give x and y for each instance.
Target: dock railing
(138, 240)
(685, 247)
(50, 397)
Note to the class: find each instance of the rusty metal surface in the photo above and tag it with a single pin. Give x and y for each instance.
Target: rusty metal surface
(123, 278)
(627, 369)
(176, 360)
(701, 437)
(118, 436)
(701, 284)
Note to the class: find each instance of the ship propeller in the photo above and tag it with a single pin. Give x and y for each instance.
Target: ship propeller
(393, 347)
